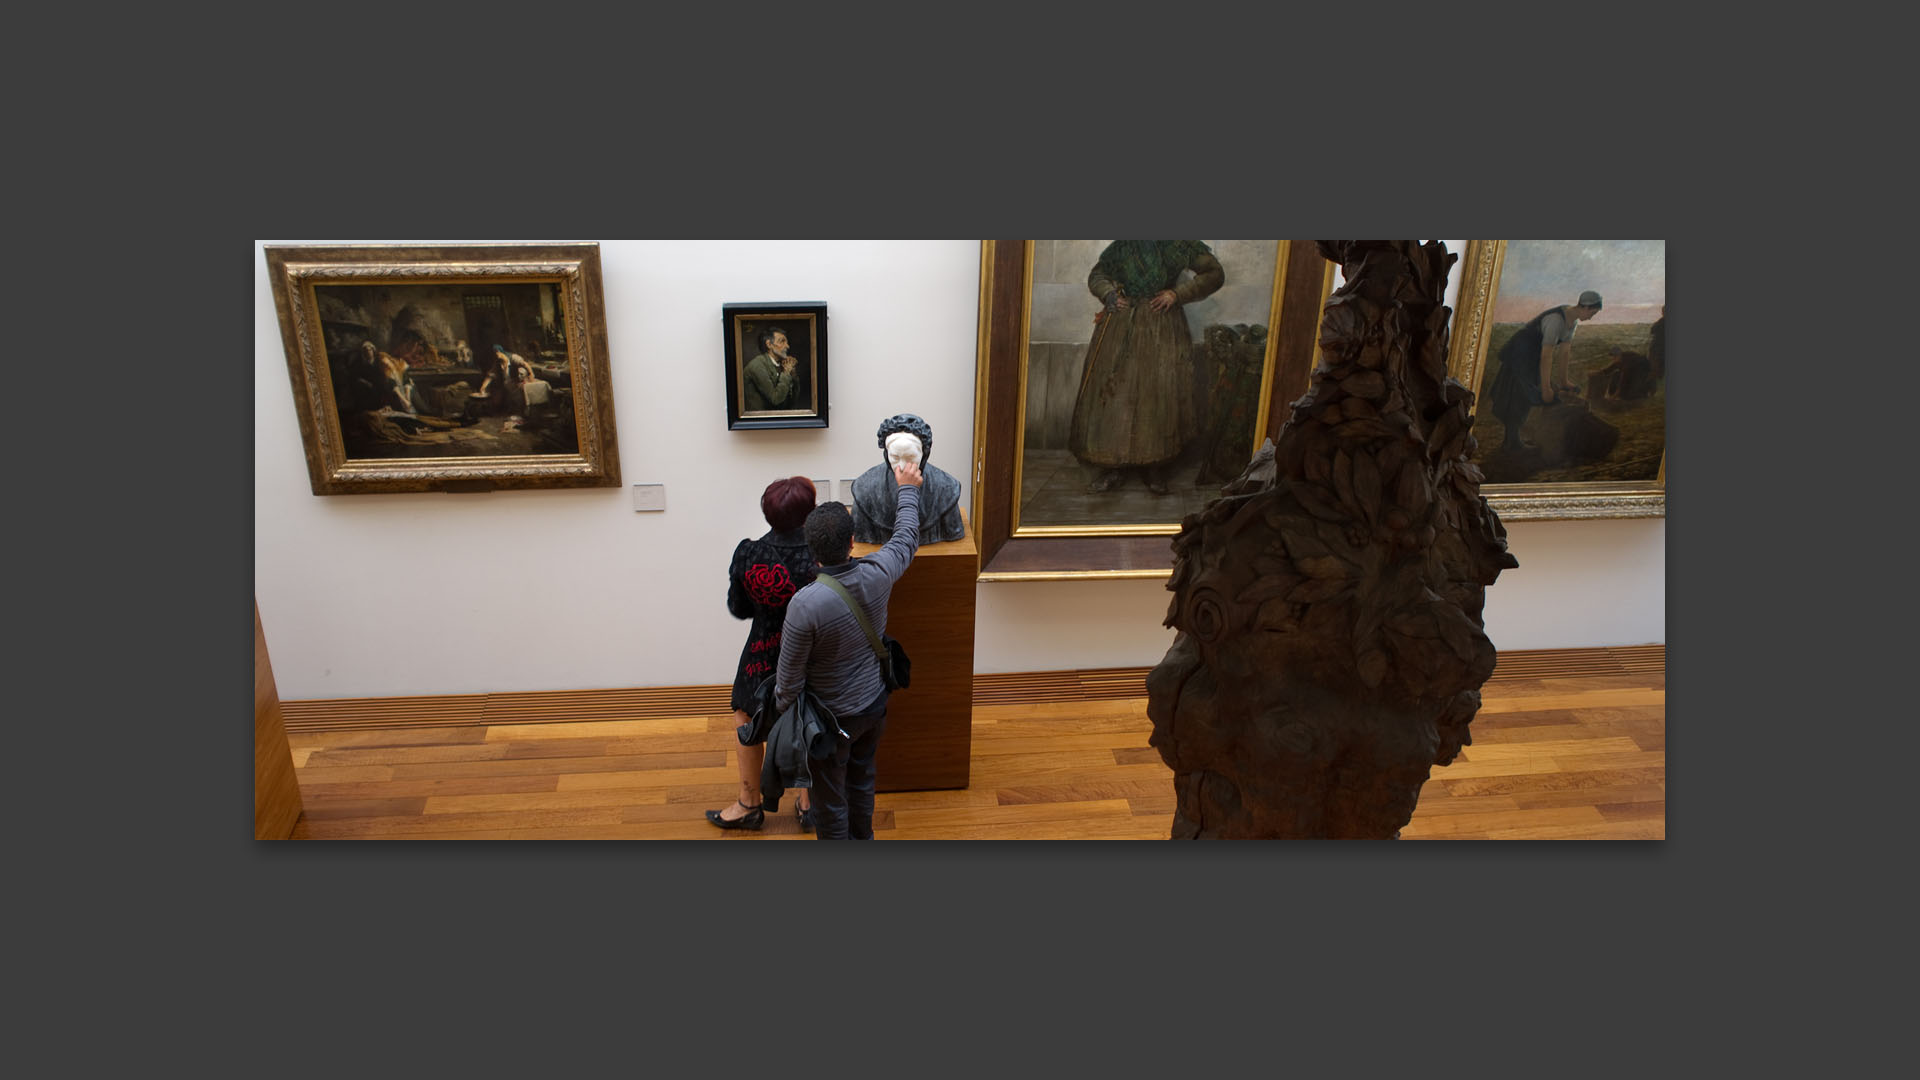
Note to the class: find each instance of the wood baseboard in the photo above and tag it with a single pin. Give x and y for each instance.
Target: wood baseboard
(1009, 688)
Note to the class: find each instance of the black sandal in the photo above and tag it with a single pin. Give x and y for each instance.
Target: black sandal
(805, 816)
(752, 819)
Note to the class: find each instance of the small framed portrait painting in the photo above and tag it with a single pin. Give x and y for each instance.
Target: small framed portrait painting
(776, 369)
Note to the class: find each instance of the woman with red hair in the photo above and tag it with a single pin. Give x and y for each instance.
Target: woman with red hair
(764, 575)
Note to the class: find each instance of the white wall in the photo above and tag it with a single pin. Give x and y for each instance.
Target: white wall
(376, 595)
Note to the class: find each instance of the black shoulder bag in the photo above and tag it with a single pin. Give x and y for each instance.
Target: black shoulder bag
(895, 668)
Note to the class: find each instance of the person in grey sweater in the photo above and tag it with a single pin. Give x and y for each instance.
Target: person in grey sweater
(823, 649)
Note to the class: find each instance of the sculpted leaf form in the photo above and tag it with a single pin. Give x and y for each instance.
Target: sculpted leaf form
(1357, 550)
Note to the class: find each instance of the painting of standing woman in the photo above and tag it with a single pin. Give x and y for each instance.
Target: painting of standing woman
(1145, 362)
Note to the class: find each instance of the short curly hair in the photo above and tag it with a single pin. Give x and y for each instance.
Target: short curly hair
(912, 425)
(830, 533)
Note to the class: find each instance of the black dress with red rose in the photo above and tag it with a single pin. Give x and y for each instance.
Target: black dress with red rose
(764, 576)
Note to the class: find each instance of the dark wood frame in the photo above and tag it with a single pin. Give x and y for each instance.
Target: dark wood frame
(1004, 557)
(737, 356)
(573, 268)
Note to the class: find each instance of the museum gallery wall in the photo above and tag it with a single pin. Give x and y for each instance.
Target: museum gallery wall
(437, 593)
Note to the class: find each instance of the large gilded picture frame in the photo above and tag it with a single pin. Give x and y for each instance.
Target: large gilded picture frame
(461, 367)
(1598, 448)
(1119, 384)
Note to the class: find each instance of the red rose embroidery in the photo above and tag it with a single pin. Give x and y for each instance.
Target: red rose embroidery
(770, 586)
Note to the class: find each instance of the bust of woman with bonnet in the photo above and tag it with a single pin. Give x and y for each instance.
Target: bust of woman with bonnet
(906, 437)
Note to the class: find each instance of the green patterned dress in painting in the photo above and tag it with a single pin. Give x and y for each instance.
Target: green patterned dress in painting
(1135, 408)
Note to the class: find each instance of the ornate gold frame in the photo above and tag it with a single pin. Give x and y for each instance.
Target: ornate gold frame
(1480, 268)
(294, 271)
(1009, 552)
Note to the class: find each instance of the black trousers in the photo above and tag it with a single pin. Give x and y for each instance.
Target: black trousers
(843, 784)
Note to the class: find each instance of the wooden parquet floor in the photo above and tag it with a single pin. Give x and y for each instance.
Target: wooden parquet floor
(1558, 758)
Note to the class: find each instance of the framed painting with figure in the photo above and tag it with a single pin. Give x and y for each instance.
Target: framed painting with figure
(1563, 343)
(1120, 384)
(776, 365)
(447, 368)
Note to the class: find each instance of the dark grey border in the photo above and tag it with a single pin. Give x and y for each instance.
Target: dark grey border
(1163, 957)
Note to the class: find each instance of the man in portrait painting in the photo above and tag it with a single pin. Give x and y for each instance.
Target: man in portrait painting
(769, 378)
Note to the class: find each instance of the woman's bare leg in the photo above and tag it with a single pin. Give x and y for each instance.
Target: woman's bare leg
(751, 758)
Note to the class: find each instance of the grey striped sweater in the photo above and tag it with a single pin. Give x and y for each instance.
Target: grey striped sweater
(822, 646)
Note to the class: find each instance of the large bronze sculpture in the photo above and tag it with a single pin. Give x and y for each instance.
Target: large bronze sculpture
(1330, 648)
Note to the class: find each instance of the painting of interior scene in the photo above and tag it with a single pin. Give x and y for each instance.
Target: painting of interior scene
(1145, 360)
(1573, 384)
(438, 370)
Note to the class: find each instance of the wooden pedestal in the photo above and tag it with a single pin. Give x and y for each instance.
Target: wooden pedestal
(929, 737)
